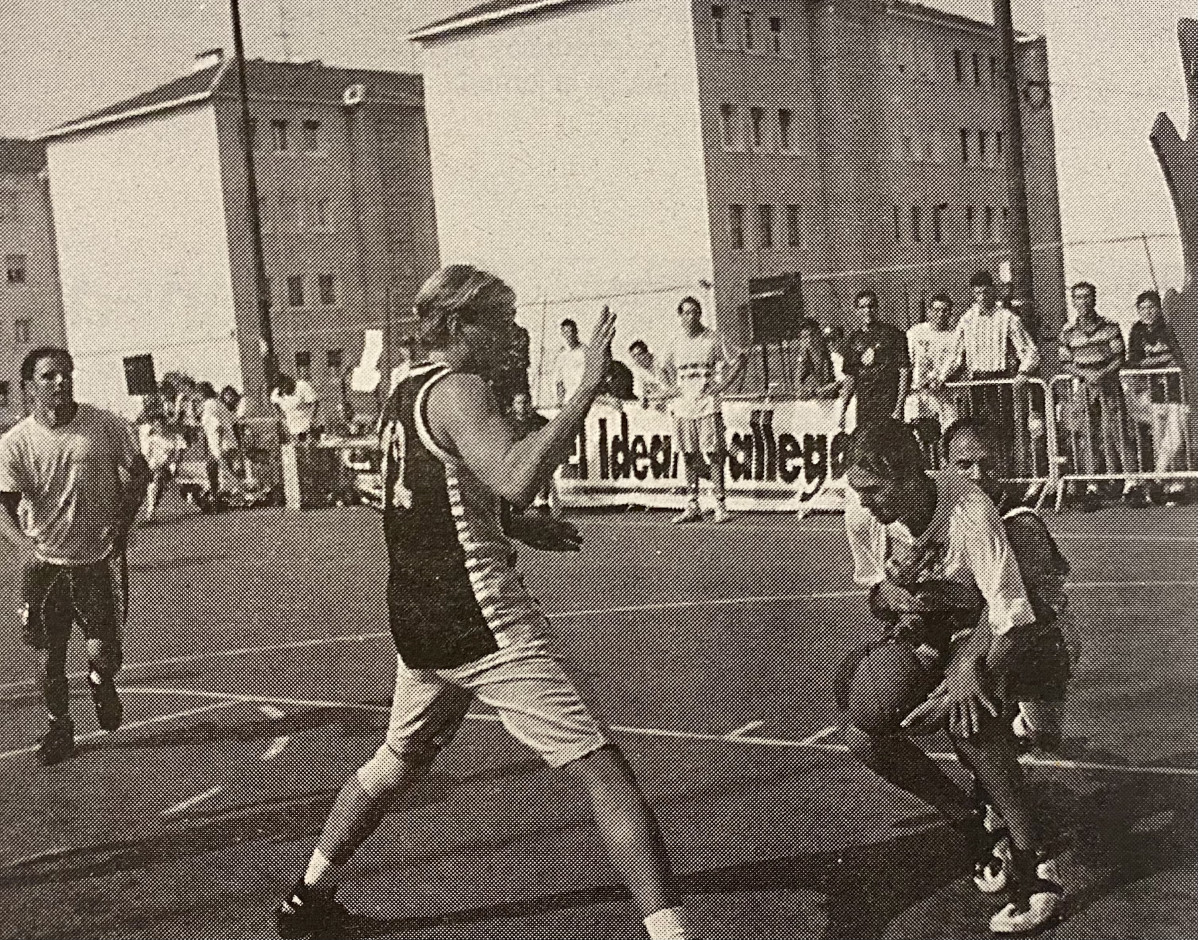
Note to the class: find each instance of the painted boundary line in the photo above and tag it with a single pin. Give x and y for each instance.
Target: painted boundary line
(815, 742)
(557, 615)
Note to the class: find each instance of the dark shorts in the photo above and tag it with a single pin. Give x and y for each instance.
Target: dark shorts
(55, 598)
(1038, 668)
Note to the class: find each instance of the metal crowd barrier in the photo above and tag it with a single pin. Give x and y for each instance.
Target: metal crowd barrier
(1149, 439)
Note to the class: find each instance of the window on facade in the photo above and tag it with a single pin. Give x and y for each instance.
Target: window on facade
(748, 29)
(757, 126)
(785, 120)
(983, 146)
(958, 66)
(23, 330)
(988, 231)
(794, 230)
(908, 148)
(728, 126)
(993, 71)
(977, 69)
(14, 268)
(736, 226)
(718, 34)
(938, 222)
(335, 360)
(320, 214)
(765, 226)
(311, 136)
(328, 290)
(917, 223)
(965, 135)
(971, 222)
(295, 290)
(303, 360)
(775, 34)
(278, 135)
(999, 143)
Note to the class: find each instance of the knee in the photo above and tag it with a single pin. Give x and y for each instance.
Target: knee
(387, 771)
(105, 657)
(864, 746)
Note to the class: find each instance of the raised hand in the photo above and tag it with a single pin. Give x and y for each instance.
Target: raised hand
(598, 354)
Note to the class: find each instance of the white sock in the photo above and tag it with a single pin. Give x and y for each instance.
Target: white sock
(320, 871)
(670, 924)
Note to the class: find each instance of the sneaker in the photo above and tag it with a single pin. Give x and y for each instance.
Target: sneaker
(692, 513)
(1036, 895)
(991, 851)
(721, 514)
(109, 710)
(58, 743)
(305, 913)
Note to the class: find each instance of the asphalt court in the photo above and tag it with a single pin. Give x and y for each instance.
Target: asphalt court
(706, 649)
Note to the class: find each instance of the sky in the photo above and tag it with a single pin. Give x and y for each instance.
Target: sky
(1113, 72)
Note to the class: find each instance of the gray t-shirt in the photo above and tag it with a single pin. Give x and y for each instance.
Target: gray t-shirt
(70, 479)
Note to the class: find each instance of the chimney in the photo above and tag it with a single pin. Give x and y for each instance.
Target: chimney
(208, 59)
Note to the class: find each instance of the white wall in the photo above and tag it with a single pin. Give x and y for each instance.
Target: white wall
(567, 158)
(144, 252)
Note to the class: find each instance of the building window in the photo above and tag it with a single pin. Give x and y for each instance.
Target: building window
(328, 290)
(311, 136)
(295, 290)
(938, 222)
(776, 33)
(320, 215)
(23, 330)
(14, 268)
(908, 149)
(993, 71)
(917, 223)
(757, 126)
(785, 120)
(728, 127)
(999, 143)
(765, 226)
(971, 222)
(278, 135)
(303, 360)
(335, 360)
(748, 29)
(983, 146)
(965, 135)
(736, 225)
(958, 66)
(794, 231)
(718, 34)
(988, 231)
(977, 69)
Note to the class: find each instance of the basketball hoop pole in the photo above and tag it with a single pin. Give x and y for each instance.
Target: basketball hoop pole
(1019, 231)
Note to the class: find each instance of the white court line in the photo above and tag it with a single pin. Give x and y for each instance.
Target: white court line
(711, 602)
(189, 803)
(745, 729)
(225, 702)
(271, 712)
(682, 735)
(276, 748)
(818, 736)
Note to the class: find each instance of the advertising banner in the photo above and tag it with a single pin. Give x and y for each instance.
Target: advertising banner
(782, 455)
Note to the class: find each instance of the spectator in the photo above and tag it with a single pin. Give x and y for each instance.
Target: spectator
(217, 423)
(646, 382)
(511, 375)
(9, 417)
(525, 419)
(814, 375)
(570, 362)
(877, 368)
(160, 448)
(991, 342)
(1092, 351)
(1152, 344)
(929, 407)
(618, 382)
(296, 402)
(834, 337)
(306, 392)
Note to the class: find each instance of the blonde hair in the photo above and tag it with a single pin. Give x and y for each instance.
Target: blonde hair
(457, 294)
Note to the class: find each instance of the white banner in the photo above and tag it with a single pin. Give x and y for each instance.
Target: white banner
(782, 455)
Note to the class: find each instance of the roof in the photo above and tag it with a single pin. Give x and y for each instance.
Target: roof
(294, 81)
(21, 156)
(485, 13)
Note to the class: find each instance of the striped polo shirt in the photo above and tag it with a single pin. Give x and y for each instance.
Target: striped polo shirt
(1092, 347)
(453, 593)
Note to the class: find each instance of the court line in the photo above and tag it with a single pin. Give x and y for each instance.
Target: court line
(276, 748)
(787, 743)
(226, 702)
(745, 729)
(192, 801)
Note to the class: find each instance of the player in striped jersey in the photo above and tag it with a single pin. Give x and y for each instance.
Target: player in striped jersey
(465, 626)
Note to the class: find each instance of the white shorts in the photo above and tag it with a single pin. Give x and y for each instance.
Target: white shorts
(704, 435)
(536, 701)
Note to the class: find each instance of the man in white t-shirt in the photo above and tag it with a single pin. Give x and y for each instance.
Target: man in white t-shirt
(915, 537)
(79, 478)
(570, 362)
(930, 344)
(698, 368)
(217, 422)
(296, 401)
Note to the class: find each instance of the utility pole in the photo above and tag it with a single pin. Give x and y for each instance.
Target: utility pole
(1019, 232)
(266, 337)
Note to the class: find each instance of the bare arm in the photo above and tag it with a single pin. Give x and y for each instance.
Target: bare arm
(904, 386)
(462, 411)
(847, 391)
(9, 529)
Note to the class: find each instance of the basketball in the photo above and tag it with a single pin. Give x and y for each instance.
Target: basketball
(883, 683)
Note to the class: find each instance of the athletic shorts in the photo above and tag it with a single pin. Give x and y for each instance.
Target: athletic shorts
(536, 701)
(703, 435)
(54, 598)
(1038, 667)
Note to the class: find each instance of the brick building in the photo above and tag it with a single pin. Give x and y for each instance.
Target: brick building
(30, 291)
(639, 151)
(150, 197)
